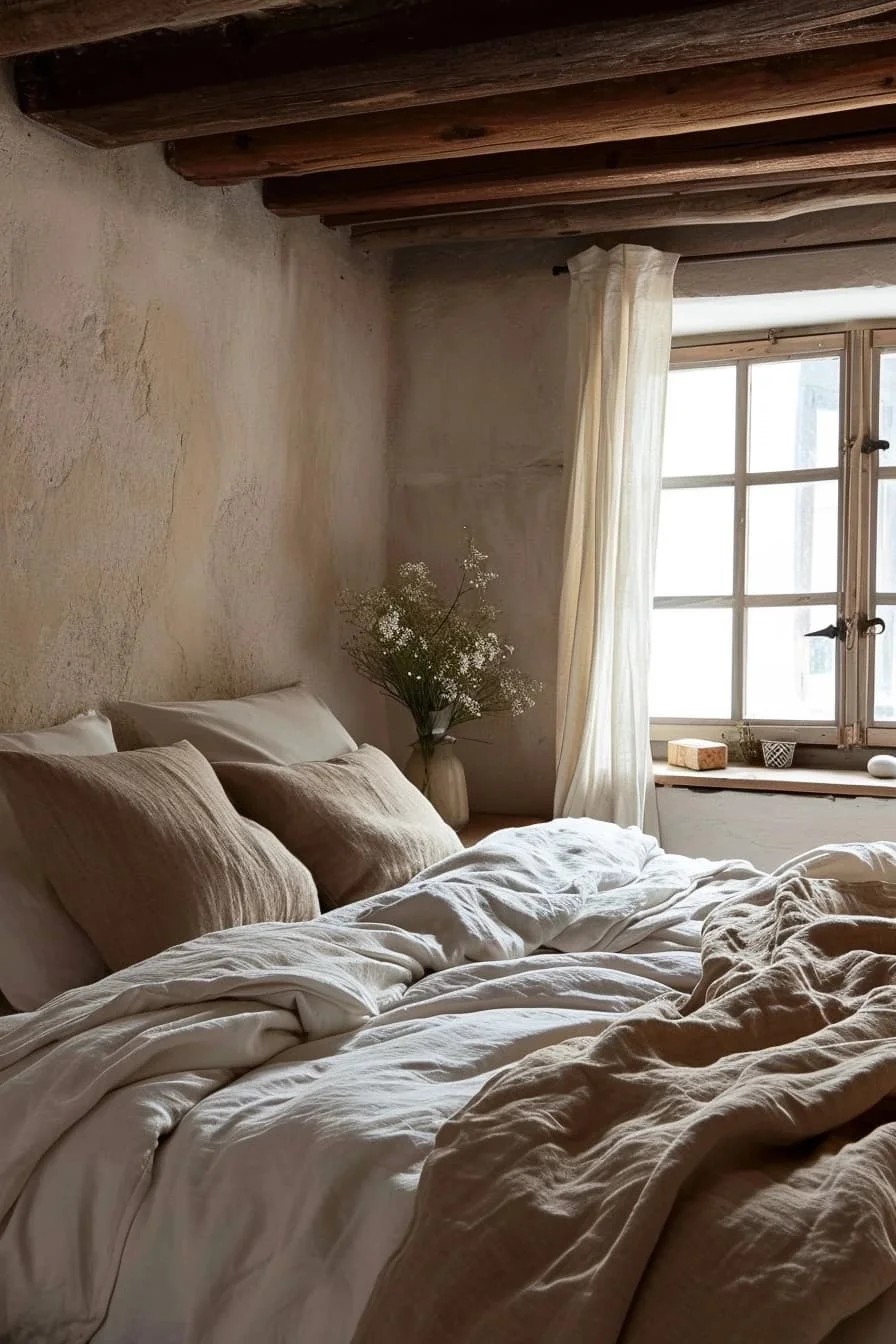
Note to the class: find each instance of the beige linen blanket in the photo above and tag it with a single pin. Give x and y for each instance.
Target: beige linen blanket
(721, 1168)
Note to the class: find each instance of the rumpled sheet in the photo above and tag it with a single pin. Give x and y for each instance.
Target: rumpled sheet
(223, 1143)
(720, 1170)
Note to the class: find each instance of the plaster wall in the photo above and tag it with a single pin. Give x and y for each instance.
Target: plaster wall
(477, 438)
(192, 429)
(476, 441)
(767, 828)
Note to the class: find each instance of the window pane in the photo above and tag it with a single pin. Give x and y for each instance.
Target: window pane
(792, 533)
(885, 581)
(700, 411)
(690, 664)
(885, 668)
(695, 550)
(884, 646)
(794, 414)
(887, 409)
(787, 675)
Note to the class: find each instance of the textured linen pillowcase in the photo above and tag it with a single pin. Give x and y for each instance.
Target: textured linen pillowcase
(357, 822)
(43, 952)
(144, 850)
(275, 726)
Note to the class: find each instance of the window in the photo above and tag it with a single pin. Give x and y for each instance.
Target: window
(776, 560)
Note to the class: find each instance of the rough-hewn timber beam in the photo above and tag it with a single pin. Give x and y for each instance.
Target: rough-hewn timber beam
(819, 145)
(814, 233)
(274, 71)
(631, 109)
(39, 25)
(729, 207)
(779, 181)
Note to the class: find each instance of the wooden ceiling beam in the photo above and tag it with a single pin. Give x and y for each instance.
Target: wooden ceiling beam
(296, 66)
(630, 109)
(40, 25)
(817, 145)
(344, 218)
(730, 207)
(858, 227)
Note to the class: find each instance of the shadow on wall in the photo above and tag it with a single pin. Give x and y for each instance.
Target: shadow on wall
(476, 440)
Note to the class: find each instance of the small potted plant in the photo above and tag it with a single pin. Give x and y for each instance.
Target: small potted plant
(442, 660)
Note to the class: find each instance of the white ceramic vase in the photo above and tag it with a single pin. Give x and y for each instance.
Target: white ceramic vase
(439, 775)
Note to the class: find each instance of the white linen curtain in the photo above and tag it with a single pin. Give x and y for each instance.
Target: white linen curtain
(620, 330)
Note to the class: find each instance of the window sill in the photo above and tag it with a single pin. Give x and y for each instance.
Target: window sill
(823, 783)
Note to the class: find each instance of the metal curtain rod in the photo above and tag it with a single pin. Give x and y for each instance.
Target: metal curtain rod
(767, 254)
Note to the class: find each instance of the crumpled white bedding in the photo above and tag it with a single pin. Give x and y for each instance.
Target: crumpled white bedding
(222, 1143)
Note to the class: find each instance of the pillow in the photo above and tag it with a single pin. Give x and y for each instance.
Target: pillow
(277, 726)
(144, 850)
(357, 822)
(42, 950)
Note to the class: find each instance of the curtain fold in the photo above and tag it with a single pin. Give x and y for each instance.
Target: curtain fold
(620, 336)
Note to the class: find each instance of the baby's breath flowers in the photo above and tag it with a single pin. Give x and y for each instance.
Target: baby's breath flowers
(441, 659)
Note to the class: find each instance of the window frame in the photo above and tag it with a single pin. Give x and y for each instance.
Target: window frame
(858, 474)
(881, 339)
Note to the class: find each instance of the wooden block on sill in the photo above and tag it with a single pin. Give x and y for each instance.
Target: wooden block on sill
(694, 753)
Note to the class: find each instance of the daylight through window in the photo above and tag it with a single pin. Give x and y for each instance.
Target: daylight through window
(777, 522)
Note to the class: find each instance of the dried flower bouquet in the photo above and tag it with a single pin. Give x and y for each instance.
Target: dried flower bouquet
(442, 659)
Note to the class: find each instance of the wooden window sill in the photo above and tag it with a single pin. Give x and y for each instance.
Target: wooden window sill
(758, 778)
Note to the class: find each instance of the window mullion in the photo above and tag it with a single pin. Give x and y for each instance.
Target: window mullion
(738, 632)
(871, 477)
(855, 538)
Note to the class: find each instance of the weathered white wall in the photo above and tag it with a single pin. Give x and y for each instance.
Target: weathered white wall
(192, 427)
(477, 392)
(477, 438)
(767, 828)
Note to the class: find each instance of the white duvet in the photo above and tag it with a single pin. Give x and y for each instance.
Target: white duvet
(222, 1143)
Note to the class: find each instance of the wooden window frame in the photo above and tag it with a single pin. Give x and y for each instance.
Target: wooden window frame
(858, 474)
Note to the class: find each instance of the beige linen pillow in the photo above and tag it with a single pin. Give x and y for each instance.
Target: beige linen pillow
(274, 726)
(42, 950)
(144, 850)
(356, 821)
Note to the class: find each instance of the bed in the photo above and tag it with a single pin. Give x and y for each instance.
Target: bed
(224, 1142)
(559, 1085)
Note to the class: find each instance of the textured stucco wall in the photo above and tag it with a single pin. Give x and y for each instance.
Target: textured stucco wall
(476, 440)
(477, 437)
(192, 427)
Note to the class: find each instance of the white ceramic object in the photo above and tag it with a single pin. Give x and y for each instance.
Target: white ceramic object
(882, 767)
(440, 777)
(777, 755)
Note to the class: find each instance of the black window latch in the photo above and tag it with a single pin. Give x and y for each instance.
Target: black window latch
(837, 631)
(876, 625)
(875, 445)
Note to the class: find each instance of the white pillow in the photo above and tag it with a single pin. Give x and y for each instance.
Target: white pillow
(285, 727)
(42, 950)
